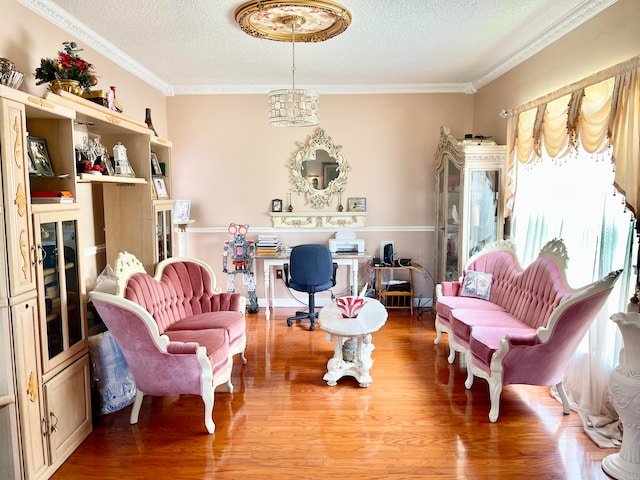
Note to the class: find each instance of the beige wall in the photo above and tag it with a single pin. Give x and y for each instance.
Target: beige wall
(231, 163)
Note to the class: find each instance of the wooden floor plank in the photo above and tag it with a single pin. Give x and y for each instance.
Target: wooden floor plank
(416, 420)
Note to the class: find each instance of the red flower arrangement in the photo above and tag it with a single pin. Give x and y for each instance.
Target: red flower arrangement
(67, 66)
(90, 168)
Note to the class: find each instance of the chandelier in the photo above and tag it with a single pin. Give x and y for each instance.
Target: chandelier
(302, 20)
(293, 107)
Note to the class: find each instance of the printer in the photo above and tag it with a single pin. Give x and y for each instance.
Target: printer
(345, 241)
(352, 246)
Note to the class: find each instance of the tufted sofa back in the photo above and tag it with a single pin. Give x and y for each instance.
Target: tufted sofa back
(184, 290)
(531, 294)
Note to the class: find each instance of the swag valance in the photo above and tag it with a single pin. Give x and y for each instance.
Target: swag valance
(597, 113)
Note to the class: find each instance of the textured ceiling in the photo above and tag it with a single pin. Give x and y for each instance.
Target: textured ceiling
(195, 46)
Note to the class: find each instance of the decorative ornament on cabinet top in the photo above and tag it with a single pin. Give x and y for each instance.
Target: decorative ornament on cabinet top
(67, 72)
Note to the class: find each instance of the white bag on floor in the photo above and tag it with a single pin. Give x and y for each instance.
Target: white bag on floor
(110, 373)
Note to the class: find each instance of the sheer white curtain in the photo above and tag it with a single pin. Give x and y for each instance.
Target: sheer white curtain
(566, 153)
(573, 199)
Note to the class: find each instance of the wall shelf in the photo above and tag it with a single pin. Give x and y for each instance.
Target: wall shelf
(91, 178)
(318, 219)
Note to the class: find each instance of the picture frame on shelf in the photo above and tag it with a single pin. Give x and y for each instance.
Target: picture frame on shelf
(181, 210)
(155, 165)
(39, 156)
(276, 205)
(31, 166)
(357, 204)
(109, 165)
(160, 187)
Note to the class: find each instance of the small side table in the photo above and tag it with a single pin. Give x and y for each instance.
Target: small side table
(352, 338)
(395, 298)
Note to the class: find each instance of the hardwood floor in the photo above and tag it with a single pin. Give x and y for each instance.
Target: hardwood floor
(416, 420)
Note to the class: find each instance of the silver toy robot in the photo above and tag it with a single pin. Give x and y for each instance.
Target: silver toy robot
(241, 251)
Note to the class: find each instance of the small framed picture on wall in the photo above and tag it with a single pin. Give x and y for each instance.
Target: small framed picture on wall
(276, 205)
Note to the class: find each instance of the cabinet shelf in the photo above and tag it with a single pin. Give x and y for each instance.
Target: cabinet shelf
(90, 178)
(52, 270)
(101, 119)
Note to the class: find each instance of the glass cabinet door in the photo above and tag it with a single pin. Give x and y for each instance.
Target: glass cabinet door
(448, 237)
(61, 312)
(164, 233)
(452, 225)
(483, 209)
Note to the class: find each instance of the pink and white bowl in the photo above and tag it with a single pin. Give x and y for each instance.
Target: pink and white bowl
(350, 306)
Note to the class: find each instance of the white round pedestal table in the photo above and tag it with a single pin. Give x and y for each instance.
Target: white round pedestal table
(352, 338)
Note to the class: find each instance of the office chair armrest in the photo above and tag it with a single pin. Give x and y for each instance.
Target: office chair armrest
(333, 277)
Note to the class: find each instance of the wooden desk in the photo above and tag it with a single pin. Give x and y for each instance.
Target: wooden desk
(268, 261)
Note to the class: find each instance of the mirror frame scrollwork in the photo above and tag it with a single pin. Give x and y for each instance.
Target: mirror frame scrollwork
(307, 151)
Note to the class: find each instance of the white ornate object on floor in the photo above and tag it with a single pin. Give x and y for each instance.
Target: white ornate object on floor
(624, 389)
(352, 341)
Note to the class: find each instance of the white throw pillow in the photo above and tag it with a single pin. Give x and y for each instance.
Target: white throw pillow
(476, 284)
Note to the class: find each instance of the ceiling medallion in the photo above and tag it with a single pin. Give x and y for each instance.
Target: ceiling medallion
(320, 19)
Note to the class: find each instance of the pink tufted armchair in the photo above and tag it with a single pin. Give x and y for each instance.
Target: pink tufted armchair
(162, 366)
(178, 332)
(182, 297)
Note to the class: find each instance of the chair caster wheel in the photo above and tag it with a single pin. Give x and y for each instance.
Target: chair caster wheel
(312, 328)
(289, 323)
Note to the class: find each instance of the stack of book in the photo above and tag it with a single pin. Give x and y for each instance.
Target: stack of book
(268, 245)
(52, 196)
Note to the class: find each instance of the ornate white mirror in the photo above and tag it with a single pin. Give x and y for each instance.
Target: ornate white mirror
(318, 170)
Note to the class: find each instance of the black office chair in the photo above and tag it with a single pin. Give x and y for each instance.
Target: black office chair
(312, 270)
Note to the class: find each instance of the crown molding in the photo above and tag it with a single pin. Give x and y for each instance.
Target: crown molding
(569, 22)
(62, 19)
(327, 89)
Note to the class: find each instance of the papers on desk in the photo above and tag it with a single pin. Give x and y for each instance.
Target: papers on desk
(268, 244)
(345, 235)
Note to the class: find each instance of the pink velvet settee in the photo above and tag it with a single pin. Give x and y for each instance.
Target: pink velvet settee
(177, 331)
(514, 325)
